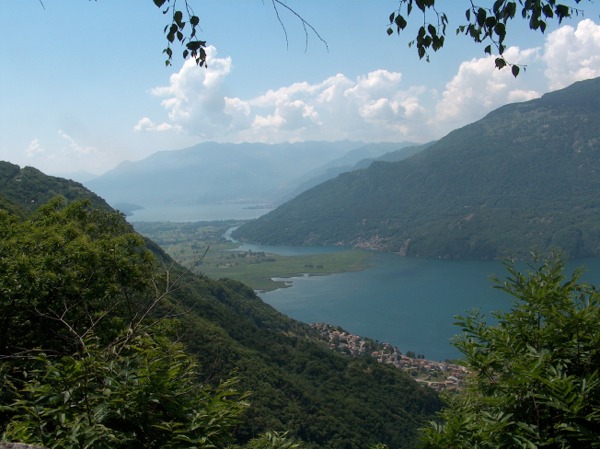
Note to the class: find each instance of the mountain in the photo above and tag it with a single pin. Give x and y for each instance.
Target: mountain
(297, 383)
(27, 188)
(361, 157)
(216, 173)
(524, 178)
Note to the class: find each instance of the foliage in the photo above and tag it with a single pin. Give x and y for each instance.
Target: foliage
(28, 188)
(521, 179)
(140, 392)
(535, 378)
(484, 25)
(79, 366)
(273, 440)
(195, 48)
(67, 271)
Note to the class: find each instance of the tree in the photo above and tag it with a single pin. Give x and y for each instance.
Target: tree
(86, 361)
(484, 25)
(139, 392)
(535, 375)
(66, 271)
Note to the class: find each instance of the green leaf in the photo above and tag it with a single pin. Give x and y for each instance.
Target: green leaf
(515, 70)
(400, 22)
(481, 16)
(497, 5)
(177, 18)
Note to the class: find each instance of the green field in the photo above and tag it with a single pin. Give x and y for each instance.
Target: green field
(203, 246)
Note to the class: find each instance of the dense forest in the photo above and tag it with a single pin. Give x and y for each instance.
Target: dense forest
(524, 178)
(106, 342)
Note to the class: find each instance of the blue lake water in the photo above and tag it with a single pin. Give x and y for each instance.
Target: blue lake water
(410, 303)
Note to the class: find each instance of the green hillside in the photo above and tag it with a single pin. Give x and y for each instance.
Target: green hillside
(100, 330)
(524, 178)
(29, 188)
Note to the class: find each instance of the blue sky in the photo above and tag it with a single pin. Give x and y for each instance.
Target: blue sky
(83, 85)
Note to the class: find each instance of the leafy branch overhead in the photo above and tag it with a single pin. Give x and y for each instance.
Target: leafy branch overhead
(483, 24)
(193, 47)
(196, 48)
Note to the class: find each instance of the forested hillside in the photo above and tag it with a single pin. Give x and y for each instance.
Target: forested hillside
(524, 178)
(105, 342)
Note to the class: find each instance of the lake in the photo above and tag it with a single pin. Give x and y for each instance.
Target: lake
(410, 303)
(199, 212)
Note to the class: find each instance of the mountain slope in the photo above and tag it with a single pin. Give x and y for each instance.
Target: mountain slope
(297, 383)
(359, 158)
(28, 188)
(524, 178)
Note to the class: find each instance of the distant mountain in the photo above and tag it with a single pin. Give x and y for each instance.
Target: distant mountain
(218, 173)
(524, 178)
(79, 176)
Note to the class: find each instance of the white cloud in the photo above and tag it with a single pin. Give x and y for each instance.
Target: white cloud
(376, 106)
(572, 54)
(74, 148)
(34, 149)
(372, 107)
(480, 87)
(194, 98)
(145, 124)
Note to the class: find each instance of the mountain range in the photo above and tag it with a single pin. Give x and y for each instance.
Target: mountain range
(524, 178)
(246, 173)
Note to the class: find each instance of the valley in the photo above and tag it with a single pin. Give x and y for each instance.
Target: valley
(203, 246)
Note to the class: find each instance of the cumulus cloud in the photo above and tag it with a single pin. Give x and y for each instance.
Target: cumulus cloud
(146, 124)
(572, 54)
(376, 106)
(194, 98)
(478, 87)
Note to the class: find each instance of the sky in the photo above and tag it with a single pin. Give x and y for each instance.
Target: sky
(84, 87)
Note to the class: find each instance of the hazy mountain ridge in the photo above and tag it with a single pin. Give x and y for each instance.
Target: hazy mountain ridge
(222, 173)
(525, 177)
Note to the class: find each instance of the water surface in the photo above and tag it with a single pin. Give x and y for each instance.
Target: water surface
(410, 303)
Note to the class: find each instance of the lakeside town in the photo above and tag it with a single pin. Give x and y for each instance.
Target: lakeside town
(440, 376)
